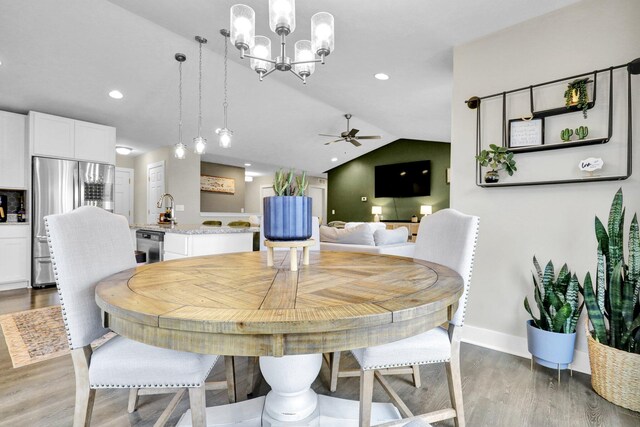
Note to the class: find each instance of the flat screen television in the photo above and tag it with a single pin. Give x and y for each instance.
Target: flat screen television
(403, 179)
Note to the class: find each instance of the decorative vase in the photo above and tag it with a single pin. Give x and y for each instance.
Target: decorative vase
(615, 374)
(574, 97)
(287, 217)
(491, 177)
(551, 349)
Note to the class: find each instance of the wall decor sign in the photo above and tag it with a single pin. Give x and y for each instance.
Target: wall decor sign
(217, 184)
(525, 133)
(591, 164)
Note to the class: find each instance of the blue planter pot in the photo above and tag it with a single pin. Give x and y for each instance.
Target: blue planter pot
(287, 217)
(550, 349)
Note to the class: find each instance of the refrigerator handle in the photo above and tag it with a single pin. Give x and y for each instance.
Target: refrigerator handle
(76, 186)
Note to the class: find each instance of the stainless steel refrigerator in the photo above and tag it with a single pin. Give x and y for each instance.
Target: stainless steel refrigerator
(60, 186)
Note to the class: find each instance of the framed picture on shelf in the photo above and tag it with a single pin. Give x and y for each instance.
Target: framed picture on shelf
(526, 133)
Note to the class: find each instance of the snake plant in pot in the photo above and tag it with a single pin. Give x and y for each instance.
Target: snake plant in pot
(551, 337)
(614, 310)
(287, 215)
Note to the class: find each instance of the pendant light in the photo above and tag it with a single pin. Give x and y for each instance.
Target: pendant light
(200, 143)
(180, 149)
(225, 134)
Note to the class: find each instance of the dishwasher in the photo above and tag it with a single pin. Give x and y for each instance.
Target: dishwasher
(151, 243)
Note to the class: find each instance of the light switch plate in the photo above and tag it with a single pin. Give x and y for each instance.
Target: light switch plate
(333, 211)
(179, 208)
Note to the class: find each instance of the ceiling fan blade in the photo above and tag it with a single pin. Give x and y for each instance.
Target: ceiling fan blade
(370, 137)
(332, 136)
(331, 142)
(353, 132)
(355, 142)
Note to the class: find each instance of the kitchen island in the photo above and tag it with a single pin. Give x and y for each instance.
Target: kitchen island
(182, 241)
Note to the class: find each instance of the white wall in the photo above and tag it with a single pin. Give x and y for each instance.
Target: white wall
(552, 221)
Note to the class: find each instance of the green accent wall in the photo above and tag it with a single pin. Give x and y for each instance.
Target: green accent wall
(349, 182)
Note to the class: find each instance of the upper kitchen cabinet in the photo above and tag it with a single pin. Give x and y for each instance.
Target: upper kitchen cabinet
(12, 150)
(54, 136)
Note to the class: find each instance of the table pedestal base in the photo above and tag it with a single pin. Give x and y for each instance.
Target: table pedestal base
(330, 412)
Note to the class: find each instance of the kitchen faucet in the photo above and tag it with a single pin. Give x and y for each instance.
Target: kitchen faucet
(172, 218)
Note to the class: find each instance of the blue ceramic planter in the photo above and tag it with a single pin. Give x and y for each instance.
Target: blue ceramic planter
(550, 349)
(287, 217)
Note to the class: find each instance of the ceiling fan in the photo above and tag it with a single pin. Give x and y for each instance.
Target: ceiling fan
(349, 135)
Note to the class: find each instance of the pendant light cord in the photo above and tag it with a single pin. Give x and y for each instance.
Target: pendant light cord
(200, 92)
(225, 104)
(180, 108)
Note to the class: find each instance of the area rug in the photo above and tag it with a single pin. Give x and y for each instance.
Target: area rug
(36, 335)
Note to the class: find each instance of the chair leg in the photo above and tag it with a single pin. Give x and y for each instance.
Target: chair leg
(133, 400)
(198, 406)
(230, 372)
(366, 396)
(85, 396)
(335, 370)
(416, 376)
(455, 389)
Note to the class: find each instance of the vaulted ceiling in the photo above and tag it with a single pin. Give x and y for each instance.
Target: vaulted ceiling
(63, 57)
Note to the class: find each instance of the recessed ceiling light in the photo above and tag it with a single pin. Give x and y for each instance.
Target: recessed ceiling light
(247, 164)
(381, 76)
(121, 149)
(248, 178)
(334, 159)
(116, 94)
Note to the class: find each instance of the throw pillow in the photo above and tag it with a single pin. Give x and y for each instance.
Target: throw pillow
(360, 235)
(391, 237)
(373, 226)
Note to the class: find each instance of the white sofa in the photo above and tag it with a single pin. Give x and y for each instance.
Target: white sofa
(364, 235)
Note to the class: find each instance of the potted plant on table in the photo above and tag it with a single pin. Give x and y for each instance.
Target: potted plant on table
(551, 338)
(287, 215)
(614, 311)
(576, 95)
(496, 158)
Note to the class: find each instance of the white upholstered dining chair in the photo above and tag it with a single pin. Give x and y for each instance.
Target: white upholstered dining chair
(86, 246)
(447, 237)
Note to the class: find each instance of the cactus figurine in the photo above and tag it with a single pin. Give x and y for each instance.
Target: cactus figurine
(582, 132)
(566, 134)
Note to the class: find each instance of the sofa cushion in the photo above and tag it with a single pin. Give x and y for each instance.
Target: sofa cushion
(390, 237)
(373, 226)
(360, 235)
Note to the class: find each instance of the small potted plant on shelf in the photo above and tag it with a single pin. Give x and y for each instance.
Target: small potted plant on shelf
(496, 158)
(551, 338)
(614, 311)
(287, 215)
(576, 95)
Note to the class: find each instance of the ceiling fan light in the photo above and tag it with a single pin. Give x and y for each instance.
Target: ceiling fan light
(303, 52)
(243, 26)
(180, 150)
(282, 16)
(261, 49)
(199, 145)
(322, 34)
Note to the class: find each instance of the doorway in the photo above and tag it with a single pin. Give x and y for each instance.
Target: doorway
(317, 194)
(124, 193)
(155, 189)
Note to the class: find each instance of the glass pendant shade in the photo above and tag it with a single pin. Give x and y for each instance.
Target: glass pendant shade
(322, 36)
(199, 145)
(180, 150)
(261, 49)
(282, 16)
(224, 137)
(243, 25)
(303, 52)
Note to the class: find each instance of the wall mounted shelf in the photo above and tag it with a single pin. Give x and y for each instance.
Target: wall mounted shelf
(561, 110)
(559, 145)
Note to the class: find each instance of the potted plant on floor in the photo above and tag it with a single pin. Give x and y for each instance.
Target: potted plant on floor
(614, 311)
(551, 338)
(496, 158)
(287, 215)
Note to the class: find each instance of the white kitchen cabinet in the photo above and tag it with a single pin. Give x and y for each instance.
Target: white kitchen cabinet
(186, 245)
(60, 137)
(95, 142)
(12, 150)
(14, 262)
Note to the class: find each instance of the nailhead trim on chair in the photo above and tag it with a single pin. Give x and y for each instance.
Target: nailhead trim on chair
(473, 256)
(402, 365)
(55, 275)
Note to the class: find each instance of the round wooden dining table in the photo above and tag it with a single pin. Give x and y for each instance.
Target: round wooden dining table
(234, 304)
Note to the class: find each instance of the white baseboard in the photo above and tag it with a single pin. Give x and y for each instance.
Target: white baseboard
(515, 345)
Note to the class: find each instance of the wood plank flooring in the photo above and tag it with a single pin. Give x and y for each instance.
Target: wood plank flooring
(499, 390)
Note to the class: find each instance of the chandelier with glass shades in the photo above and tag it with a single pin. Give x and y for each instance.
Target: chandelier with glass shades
(282, 21)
